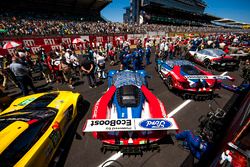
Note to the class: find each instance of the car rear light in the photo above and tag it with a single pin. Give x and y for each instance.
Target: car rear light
(238, 160)
(56, 126)
(32, 121)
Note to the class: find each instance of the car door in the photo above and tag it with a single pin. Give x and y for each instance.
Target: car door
(199, 56)
(164, 70)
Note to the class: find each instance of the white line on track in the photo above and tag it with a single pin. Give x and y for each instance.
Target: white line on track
(172, 113)
(111, 159)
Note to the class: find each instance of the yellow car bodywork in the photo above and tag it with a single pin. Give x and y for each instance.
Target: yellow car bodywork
(41, 153)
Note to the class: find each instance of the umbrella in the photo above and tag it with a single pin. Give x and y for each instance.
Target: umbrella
(77, 40)
(11, 44)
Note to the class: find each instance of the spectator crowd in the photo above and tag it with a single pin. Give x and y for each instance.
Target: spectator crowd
(67, 64)
(31, 24)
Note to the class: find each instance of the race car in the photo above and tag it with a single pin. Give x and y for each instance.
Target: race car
(215, 58)
(192, 81)
(128, 117)
(32, 127)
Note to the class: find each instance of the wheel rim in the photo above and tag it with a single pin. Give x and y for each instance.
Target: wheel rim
(206, 63)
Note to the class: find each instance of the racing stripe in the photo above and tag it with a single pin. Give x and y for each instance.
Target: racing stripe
(154, 105)
(146, 112)
(129, 113)
(113, 112)
(100, 108)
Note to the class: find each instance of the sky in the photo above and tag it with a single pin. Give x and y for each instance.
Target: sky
(238, 10)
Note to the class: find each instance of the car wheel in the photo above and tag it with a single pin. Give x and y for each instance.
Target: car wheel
(157, 68)
(80, 105)
(207, 63)
(169, 83)
(187, 56)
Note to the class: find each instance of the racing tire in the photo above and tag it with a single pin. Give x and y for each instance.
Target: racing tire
(187, 56)
(169, 83)
(80, 105)
(156, 68)
(207, 63)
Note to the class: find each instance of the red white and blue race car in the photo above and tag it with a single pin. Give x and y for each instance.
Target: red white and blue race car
(128, 117)
(184, 76)
(215, 58)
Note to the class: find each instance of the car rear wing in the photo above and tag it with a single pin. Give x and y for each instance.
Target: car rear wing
(209, 77)
(138, 124)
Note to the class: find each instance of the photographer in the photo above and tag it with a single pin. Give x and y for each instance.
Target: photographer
(192, 142)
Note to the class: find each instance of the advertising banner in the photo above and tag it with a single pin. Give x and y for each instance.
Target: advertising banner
(49, 43)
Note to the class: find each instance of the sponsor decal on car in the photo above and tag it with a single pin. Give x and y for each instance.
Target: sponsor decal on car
(27, 101)
(137, 124)
(207, 77)
(154, 124)
(111, 122)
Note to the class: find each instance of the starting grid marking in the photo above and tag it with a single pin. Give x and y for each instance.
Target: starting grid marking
(116, 156)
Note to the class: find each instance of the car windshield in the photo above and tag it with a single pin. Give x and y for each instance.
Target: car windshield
(128, 78)
(24, 142)
(190, 70)
(217, 52)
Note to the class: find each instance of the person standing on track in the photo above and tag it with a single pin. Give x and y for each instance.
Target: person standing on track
(88, 67)
(148, 54)
(67, 73)
(22, 76)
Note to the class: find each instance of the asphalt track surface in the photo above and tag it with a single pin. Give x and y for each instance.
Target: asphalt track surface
(84, 151)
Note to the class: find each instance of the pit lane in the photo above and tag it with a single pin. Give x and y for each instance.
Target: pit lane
(85, 150)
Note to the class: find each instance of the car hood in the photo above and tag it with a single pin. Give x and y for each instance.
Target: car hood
(10, 133)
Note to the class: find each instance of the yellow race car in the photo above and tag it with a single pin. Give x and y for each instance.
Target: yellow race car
(32, 128)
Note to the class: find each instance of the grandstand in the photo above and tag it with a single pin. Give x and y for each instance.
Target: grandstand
(173, 12)
(229, 23)
(82, 8)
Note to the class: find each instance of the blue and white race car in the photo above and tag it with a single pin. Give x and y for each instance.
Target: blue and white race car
(184, 76)
(128, 117)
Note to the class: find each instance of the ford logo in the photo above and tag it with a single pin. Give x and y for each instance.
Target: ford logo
(155, 123)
